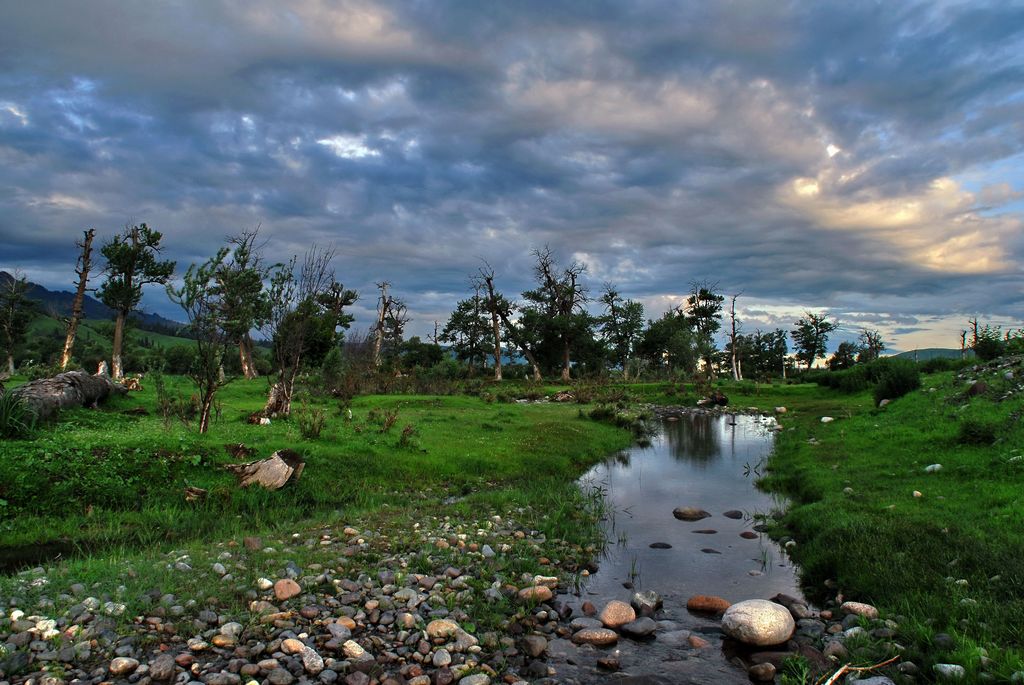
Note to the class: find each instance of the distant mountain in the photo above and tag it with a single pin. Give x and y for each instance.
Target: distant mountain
(57, 303)
(927, 353)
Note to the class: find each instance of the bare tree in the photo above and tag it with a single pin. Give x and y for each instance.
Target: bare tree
(294, 306)
(561, 297)
(963, 343)
(502, 308)
(383, 303)
(734, 327)
(82, 270)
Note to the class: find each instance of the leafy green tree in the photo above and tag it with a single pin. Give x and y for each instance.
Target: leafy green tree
(988, 343)
(16, 311)
(418, 354)
(704, 309)
(468, 332)
(811, 336)
(871, 346)
(209, 318)
(554, 316)
(240, 281)
(669, 344)
(845, 356)
(307, 307)
(131, 263)
(621, 325)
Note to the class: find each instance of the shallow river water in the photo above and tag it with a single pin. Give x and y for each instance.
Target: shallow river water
(705, 461)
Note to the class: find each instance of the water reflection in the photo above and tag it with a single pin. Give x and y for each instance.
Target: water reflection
(706, 461)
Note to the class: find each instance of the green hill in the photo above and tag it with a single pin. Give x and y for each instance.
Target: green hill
(927, 353)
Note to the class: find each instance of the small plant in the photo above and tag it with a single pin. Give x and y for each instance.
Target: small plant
(17, 420)
(796, 670)
(408, 433)
(390, 417)
(311, 420)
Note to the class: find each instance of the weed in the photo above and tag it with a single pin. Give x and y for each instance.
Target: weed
(311, 420)
(17, 419)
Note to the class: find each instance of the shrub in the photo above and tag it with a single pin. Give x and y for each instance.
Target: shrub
(17, 419)
(898, 377)
(311, 421)
(938, 364)
(976, 432)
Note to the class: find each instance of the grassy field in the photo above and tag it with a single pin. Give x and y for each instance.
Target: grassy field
(947, 561)
(109, 477)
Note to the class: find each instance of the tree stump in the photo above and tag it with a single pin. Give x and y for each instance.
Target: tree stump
(272, 473)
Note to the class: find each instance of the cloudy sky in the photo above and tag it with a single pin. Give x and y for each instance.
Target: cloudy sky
(861, 157)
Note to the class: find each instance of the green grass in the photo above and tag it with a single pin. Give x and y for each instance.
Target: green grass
(103, 477)
(947, 561)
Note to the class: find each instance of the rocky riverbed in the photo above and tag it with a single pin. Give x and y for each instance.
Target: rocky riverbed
(445, 603)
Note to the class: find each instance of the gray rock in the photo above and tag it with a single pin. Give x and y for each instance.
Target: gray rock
(641, 627)
(646, 603)
(222, 678)
(279, 676)
(162, 667)
(875, 680)
(534, 645)
(950, 672)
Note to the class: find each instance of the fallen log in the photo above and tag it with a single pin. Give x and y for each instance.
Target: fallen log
(47, 396)
(272, 473)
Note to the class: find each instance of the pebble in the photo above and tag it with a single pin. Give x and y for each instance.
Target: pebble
(859, 609)
(707, 604)
(123, 665)
(285, 589)
(950, 672)
(595, 636)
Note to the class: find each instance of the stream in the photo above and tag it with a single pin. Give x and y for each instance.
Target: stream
(707, 461)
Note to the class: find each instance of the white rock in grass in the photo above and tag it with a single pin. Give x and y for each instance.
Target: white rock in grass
(950, 672)
(827, 419)
(934, 468)
(758, 622)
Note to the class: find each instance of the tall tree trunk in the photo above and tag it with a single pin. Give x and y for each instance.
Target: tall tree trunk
(245, 357)
(116, 368)
(10, 364)
(84, 264)
(382, 313)
(496, 325)
(204, 413)
(565, 363)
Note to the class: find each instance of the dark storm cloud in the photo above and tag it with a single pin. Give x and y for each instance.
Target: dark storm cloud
(660, 142)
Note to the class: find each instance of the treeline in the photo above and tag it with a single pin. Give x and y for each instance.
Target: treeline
(560, 327)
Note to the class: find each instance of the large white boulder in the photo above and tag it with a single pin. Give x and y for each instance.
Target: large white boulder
(758, 622)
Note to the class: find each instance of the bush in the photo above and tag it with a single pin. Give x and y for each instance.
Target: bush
(939, 364)
(976, 432)
(311, 420)
(898, 377)
(17, 419)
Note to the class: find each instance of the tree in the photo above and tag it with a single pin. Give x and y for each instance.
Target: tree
(704, 309)
(131, 263)
(417, 354)
(16, 311)
(468, 331)
(811, 336)
(306, 309)
(734, 325)
(845, 356)
(82, 270)
(871, 346)
(621, 325)
(502, 309)
(669, 344)
(988, 343)
(208, 308)
(554, 314)
(246, 302)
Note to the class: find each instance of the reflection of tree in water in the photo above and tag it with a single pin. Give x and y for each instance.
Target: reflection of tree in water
(695, 437)
(621, 458)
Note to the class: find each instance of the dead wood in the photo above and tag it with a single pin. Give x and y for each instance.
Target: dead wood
(47, 396)
(272, 473)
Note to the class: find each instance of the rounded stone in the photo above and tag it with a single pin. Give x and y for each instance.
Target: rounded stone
(758, 622)
(860, 609)
(537, 593)
(762, 672)
(292, 646)
(689, 513)
(616, 614)
(123, 665)
(442, 628)
(286, 588)
(595, 636)
(709, 604)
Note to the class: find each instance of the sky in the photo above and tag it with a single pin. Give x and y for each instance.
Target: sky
(861, 158)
